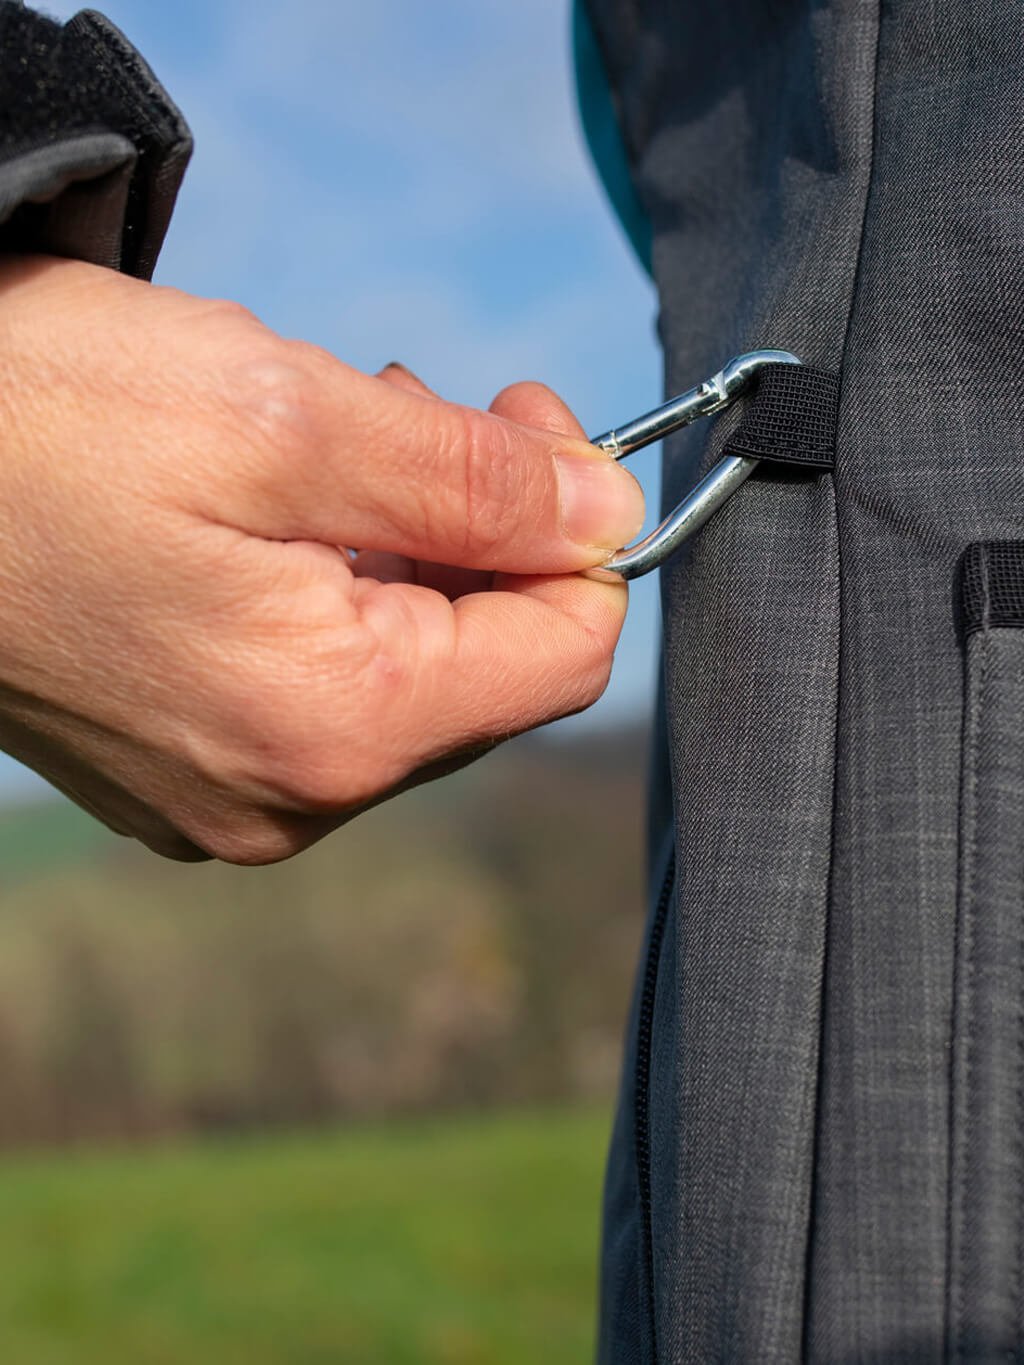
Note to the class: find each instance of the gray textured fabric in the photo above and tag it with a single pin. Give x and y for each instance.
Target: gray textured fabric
(932, 435)
(844, 180)
(757, 213)
(987, 1158)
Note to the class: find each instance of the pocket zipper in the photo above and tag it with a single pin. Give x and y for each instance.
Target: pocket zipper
(641, 1096)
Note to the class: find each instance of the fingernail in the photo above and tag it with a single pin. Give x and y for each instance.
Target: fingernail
(602, 504)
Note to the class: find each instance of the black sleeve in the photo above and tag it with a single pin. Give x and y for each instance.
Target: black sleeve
(92, 151)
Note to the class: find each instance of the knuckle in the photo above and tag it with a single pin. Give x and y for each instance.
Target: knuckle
(527, 396)
(521, 388)
(233, 313)
(278, 397)
(491, 485)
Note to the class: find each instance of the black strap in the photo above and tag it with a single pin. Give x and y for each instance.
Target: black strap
(990, 586)
(791, 418)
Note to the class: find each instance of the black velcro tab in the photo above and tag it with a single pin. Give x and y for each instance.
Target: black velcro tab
(990, 586)
(791, 418)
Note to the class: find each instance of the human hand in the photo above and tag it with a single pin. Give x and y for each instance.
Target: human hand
(184, 648)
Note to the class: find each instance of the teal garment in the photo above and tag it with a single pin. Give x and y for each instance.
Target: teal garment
(604, 136)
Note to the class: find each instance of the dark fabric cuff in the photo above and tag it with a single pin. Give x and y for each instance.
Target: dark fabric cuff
(92, 151)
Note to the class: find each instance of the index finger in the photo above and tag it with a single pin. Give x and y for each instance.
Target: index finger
(384, 468)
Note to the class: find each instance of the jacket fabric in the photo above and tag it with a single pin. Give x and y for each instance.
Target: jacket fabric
(818, 1149)
(92, 151)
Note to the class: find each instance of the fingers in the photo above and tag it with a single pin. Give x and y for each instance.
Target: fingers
(391, 568)
(382, 464)
(403, 378)
(491, 664)
(535, 405)
(532, 405)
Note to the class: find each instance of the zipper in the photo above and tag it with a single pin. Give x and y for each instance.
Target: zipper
(641, 1096)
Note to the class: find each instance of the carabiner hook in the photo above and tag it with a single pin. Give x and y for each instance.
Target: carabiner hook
(715, 488)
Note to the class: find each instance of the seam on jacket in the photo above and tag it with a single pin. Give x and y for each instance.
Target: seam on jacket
(830, 880)
(1019, 1097)
(974, 707)
(1019, 1221)
(963, 988)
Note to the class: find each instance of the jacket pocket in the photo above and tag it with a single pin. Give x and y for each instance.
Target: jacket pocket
(984, 1295)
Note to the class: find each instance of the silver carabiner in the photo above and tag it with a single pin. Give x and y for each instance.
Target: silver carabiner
(715, 488)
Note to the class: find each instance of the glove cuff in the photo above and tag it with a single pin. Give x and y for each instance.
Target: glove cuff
(92, 150)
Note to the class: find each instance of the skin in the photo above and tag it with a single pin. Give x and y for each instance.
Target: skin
(187, 647)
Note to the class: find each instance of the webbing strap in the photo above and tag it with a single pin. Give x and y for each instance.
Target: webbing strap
(791, 418)
(990, 589)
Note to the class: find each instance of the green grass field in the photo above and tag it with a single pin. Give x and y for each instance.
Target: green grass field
(459, 1241)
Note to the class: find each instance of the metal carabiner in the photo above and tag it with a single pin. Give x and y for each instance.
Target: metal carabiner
(715, 488)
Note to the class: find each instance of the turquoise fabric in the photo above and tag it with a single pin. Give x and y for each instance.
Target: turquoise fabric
(604, 136)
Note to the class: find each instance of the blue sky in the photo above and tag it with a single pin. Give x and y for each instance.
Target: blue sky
(401, 180)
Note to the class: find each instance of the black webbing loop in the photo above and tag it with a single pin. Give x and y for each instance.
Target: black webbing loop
(791, 418)
(990, 586)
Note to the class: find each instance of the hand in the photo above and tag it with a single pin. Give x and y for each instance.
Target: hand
(184, 648)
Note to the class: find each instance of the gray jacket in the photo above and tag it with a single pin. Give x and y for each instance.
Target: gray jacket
(819, 1146)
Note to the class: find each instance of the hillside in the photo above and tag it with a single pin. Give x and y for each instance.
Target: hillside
(471, 943)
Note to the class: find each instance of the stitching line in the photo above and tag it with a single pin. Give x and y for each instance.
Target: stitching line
(1019, 1097)
(964, 999)
(816, 1139)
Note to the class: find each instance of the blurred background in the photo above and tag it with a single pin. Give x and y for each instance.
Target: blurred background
(355, 1107)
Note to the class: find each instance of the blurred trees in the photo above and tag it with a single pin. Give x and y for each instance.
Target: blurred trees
(472, 943)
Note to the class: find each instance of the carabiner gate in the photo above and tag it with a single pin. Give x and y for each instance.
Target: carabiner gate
(716, 487)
